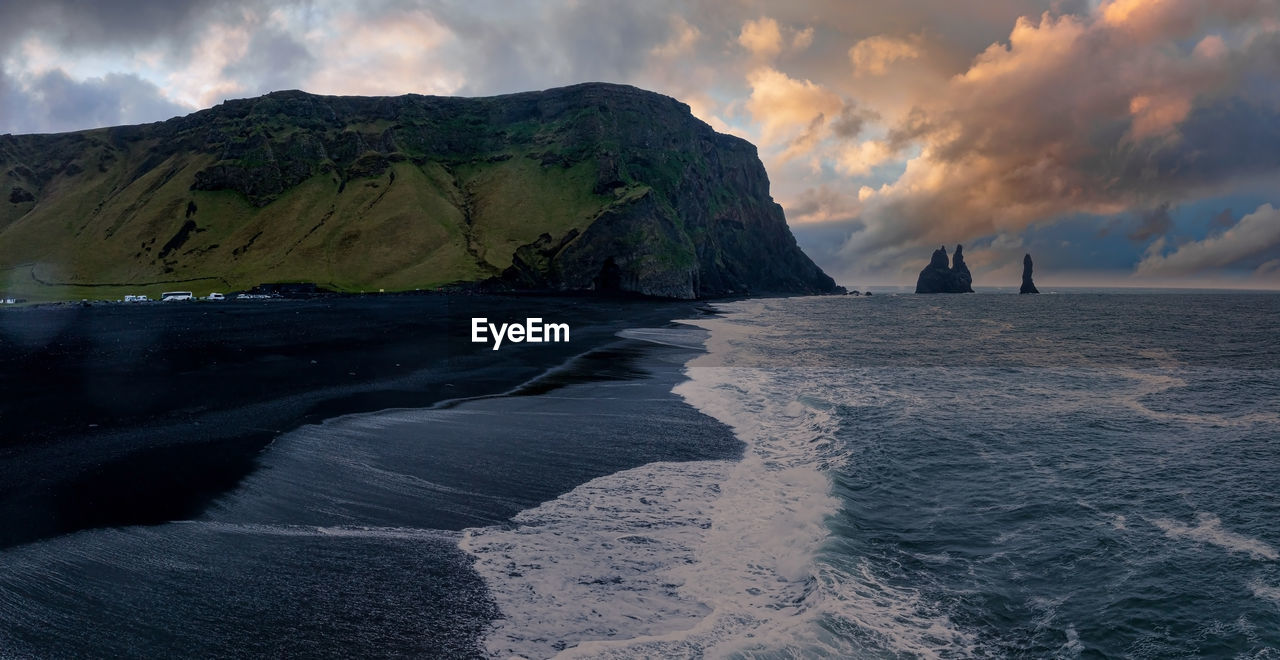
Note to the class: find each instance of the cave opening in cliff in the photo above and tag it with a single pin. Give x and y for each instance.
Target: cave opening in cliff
(610, 278)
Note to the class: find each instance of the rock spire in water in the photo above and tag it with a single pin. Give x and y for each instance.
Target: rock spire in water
(1027, 285)
(939, 277)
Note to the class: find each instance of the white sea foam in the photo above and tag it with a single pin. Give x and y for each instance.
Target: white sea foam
(1072, 648)
(678, 337)
(596, 563)
(1208, 529)
(1265, 591)
(1169, 377)
(709, 558)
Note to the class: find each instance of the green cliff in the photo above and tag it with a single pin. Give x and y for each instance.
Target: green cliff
(589, 187)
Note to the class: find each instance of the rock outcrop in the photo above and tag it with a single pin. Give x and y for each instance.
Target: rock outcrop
(960, 272)
(943, 277)
(1027, 285)
(593, 187)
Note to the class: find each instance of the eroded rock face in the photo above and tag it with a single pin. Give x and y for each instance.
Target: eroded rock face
(960, 272)
(700, 224)
(941, 277)
(706, 225)
(20, 196)
(1027, 285)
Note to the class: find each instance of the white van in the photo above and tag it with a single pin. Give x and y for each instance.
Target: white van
(176, 295)
(215, 296)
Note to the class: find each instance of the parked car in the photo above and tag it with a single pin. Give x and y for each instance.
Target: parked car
(215, 296)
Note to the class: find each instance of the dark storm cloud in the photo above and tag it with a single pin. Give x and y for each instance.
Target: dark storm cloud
(275, 60)
(503, 47)
(1252, 243)
(92, 24)
(55, 102)
(1222, 219)
(51, 100)
(850, 122)
(1152, 223)
(1223, 138)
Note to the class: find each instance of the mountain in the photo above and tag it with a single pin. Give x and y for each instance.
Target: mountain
(590, 187)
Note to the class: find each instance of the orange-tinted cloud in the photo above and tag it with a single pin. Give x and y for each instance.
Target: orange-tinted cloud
(1073, 114)
(762, 37)
(784, 106)
(873, 56)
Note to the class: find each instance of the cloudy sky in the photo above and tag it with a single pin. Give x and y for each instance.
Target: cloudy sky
(1122, 142)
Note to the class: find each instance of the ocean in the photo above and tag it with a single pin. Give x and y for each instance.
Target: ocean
(1066, 475)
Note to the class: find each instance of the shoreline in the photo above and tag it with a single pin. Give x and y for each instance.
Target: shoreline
(350, 529)
(263, 371)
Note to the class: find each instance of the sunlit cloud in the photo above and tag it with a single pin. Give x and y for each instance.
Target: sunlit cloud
(802, 39)
(783, 106)
(873, 56)
(762, 37)
(1070, 115)
(684, 37)
(858, 158)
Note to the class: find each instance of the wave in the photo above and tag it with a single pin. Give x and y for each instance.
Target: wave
(599, 562)
(324, 531)
(708, 558)
(677, 337)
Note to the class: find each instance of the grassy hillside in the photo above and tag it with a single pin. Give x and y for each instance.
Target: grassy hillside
(405, 225)
(360, 194)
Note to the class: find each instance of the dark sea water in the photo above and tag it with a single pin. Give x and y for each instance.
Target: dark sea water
(1076, 475)
(1072, 475)
(1056, 475)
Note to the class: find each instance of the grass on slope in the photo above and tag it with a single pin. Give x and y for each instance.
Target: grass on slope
(410, 227)
(515, 201)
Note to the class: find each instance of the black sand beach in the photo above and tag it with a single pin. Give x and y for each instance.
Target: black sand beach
(138, 414)
(343, 542)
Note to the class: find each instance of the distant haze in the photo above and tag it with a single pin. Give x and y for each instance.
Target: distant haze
(1122, 142)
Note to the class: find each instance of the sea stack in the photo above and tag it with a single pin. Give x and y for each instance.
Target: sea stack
(941, 277)
(1027, 285)
(960, 272)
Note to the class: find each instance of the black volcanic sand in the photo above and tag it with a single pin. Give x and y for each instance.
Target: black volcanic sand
(331, 548)
(136, 414)
(477, 462)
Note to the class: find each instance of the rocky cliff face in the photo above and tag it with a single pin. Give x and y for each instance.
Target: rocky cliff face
(943, 277)
(1027, 285)
(591, 187)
